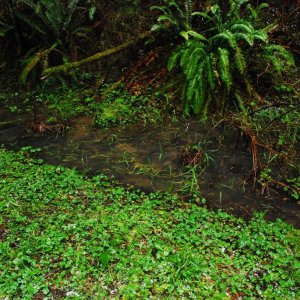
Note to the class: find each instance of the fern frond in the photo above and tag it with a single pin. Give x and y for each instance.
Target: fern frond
(191, 88)
(196, 35)
(209, 69)
(71, 7)
(186, 53)
(239, 27)
(240, 102)
(248, 38)
(191, 68)
(254, 12)
(188, 11)
(177, 8)
(167, 18)
(32, 61)
(173, 60)
(240, 61)
(235, 7)
(224, 67)
(30, 3)
(279, 57)
(159, 27)
(227, 36)
(203, 15)
(199, 98)
(163, 9)
(260, 35)
(31, 22)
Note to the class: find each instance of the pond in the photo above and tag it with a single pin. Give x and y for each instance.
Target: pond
(151, 158)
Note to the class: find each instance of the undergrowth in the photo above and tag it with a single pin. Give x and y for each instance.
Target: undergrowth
(67, 102)
(66, 236)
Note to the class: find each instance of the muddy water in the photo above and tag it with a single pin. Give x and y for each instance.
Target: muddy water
(149, 158)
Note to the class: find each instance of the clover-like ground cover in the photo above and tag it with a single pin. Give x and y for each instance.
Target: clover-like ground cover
(64, 236)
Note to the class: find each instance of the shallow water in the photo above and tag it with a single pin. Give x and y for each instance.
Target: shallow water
(149, 158)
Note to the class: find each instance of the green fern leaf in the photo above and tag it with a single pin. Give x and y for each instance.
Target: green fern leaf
(248, 38)
(177, 8)
(227, 36)
(240, 60)
(192, 65)
(173, 60)
(159, 27)
(186, 53)
(279, 57)
(203, 15)
(260, 35)
(195, 89)
(71, 7)
(199, 98)
(30, 65)
(238, 27)
(32, 61)
(184, 34)
(224, 67)
(209, 69)
(190, 89)
(196, 35)
(31, 22)
(235, 8)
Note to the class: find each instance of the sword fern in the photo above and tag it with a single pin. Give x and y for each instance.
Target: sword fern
(211, 60)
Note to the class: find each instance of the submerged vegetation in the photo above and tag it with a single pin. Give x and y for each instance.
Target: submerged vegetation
(113, 65)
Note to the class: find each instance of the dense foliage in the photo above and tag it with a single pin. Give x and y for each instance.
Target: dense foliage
(63, 236)
(219, 54)
(66, 236)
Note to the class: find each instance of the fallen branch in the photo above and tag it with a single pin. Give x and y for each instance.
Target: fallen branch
(97, 56)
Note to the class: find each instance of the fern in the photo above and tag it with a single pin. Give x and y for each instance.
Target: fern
(240, 61)
(186, 55)
(248, 38)
(210, 74)
(193, 63)
(227, 36)
(173, 16)
(244, 27)
(32, 61)
(173, 60)
(51, 20)
(199, 99)
(188, 10)
(254, 12)
(279, 57)
(195, 92)
(235, 8)
(260, 35)
(53, 14)
(33, 23)
(224, 67)
(214, 58)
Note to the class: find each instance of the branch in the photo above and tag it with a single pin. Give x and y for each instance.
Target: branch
(97, 56)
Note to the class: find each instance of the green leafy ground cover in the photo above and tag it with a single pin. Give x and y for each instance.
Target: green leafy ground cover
(64, 236)
(65, 103)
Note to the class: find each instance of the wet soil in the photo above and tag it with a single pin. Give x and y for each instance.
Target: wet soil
(150, 158)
